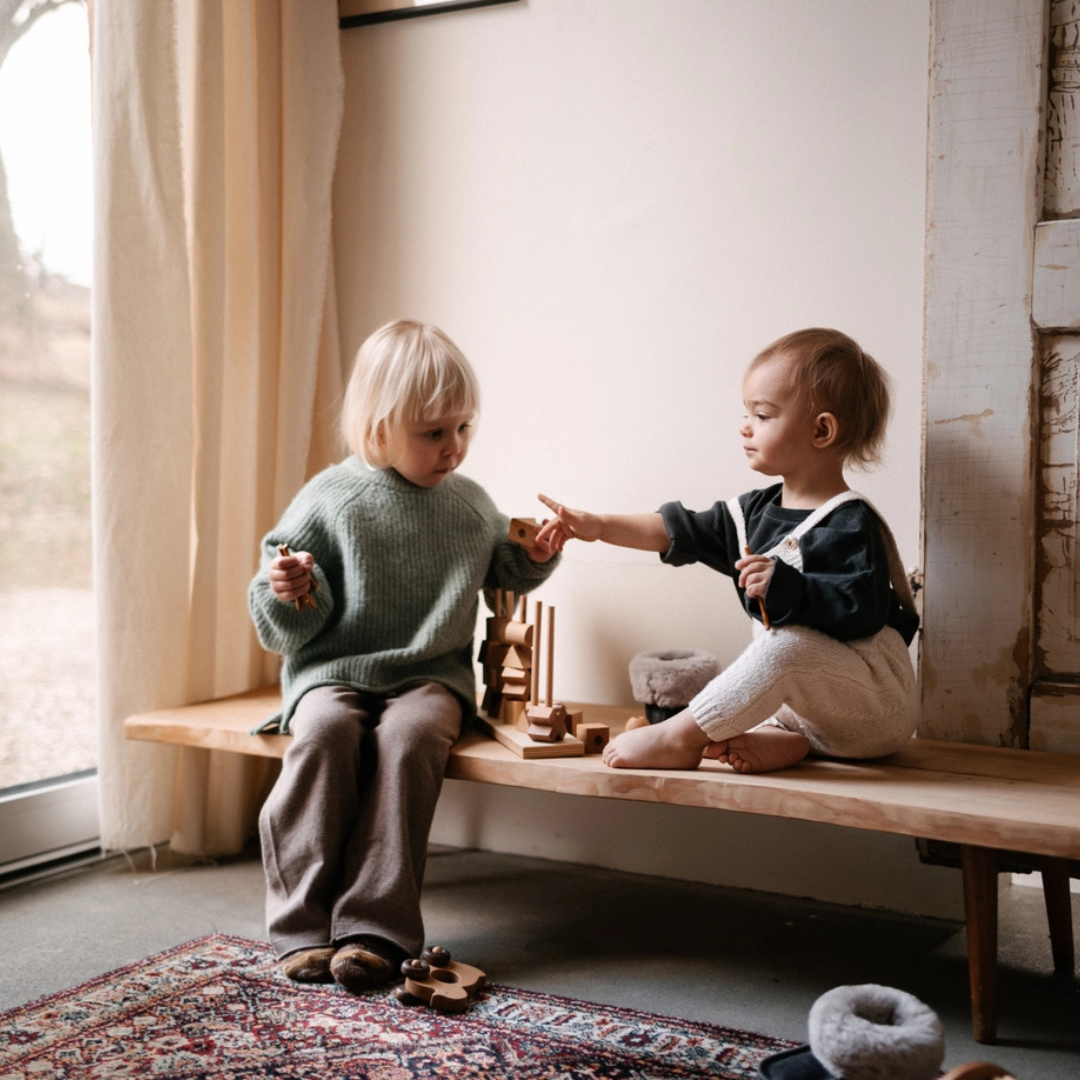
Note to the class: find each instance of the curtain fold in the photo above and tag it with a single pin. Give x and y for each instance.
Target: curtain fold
(216, 365)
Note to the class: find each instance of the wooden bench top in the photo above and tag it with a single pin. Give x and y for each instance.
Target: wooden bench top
(994, 797)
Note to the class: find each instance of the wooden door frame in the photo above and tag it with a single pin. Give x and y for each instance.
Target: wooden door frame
(986, 122)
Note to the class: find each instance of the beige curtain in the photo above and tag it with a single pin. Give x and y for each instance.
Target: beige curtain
(216, 368)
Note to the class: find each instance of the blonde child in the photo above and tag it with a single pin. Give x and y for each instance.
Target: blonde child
(832, 676)
(374, 611)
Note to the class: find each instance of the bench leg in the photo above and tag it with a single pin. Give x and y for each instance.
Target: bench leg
(980, 867)
(1055, 876)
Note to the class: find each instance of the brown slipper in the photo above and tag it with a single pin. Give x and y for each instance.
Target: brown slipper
(309, 965)
(363, 965)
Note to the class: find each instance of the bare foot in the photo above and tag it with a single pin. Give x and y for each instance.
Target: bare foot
(761, 750)
(676, 743)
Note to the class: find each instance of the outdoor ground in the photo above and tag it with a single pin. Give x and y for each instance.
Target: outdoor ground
(47, 725)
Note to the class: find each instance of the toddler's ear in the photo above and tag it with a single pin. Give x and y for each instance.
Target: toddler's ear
(826, 430)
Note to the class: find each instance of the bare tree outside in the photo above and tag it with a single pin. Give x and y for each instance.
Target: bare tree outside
(47, 693)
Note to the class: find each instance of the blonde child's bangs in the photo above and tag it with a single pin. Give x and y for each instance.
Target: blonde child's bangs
(405, 372)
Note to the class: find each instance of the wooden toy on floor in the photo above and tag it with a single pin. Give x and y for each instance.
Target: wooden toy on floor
(440, 982)
(635, 722)
(307, 600)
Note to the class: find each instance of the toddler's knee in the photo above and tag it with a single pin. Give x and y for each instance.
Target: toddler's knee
(325, 723)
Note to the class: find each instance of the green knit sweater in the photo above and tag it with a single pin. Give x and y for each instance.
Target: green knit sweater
(399, 569)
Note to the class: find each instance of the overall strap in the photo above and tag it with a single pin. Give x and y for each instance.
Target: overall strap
(788, 548)
(735, 509)
(897, 574)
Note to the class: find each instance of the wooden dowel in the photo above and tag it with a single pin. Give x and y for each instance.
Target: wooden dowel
(498, 604)
(550, 654)
(509, 604)
(539, 620)
(522, 612)
(761, 603)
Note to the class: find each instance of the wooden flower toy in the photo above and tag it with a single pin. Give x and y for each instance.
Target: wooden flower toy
(440, 982)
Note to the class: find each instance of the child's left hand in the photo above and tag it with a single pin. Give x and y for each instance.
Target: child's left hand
(541, 554)
(754, 574)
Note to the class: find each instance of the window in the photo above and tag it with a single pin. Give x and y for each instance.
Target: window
(47, 687)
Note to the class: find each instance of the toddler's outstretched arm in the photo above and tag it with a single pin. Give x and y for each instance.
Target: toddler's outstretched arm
(646, 532)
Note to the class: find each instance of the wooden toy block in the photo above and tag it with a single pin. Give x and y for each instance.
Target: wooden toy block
(635, 722)
(493, 677)
(439, 982)
(594, 736)
(512, 676)
(518, 656)
(492, 703)
(517, 633)
(515, 693)
(512, 711)
(547, 723)
(493, 653)
(523, 531)
(574, 720)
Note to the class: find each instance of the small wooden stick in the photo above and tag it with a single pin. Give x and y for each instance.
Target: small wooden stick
(307, 600)
(550, 654)
(522, 613)
(510, 605)
(761, 603)
(498, 604)
(539, 618)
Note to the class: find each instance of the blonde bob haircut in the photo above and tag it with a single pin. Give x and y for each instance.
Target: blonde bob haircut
(829, 372)
(404, 373)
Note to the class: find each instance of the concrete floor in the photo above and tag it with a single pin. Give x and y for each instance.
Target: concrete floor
(738, 959)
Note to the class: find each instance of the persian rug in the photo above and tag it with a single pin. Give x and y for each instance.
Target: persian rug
(219, 1007)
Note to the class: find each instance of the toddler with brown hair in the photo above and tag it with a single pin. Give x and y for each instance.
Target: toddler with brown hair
(816, 567)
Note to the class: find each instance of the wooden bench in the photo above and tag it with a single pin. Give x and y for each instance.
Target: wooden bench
(1000, 806)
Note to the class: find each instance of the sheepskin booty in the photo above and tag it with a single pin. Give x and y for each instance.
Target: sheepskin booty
(364, 964)
(874, 1032)
(309, 965)
(666, 681)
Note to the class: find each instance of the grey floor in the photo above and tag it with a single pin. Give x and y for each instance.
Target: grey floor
(738, 959)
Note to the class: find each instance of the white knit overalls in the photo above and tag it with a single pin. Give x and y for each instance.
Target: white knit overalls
(851, 699)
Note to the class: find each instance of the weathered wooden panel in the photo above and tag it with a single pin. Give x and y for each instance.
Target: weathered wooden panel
(1055, 718)
(986, 121)
(1063, 111)
(1055, 285)
(1058, 590)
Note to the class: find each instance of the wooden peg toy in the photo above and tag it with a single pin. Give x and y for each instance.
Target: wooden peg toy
(635, 722)
(547, 723)
(761, 603)
(307, 600)
(538, 622)
(594, 736)
(518, 633)
(523, 531)
(439, 982)
(512, 711)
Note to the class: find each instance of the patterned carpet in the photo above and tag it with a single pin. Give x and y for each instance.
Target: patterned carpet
(218, 1007)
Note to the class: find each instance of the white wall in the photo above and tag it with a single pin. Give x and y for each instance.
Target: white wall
(611, 205)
